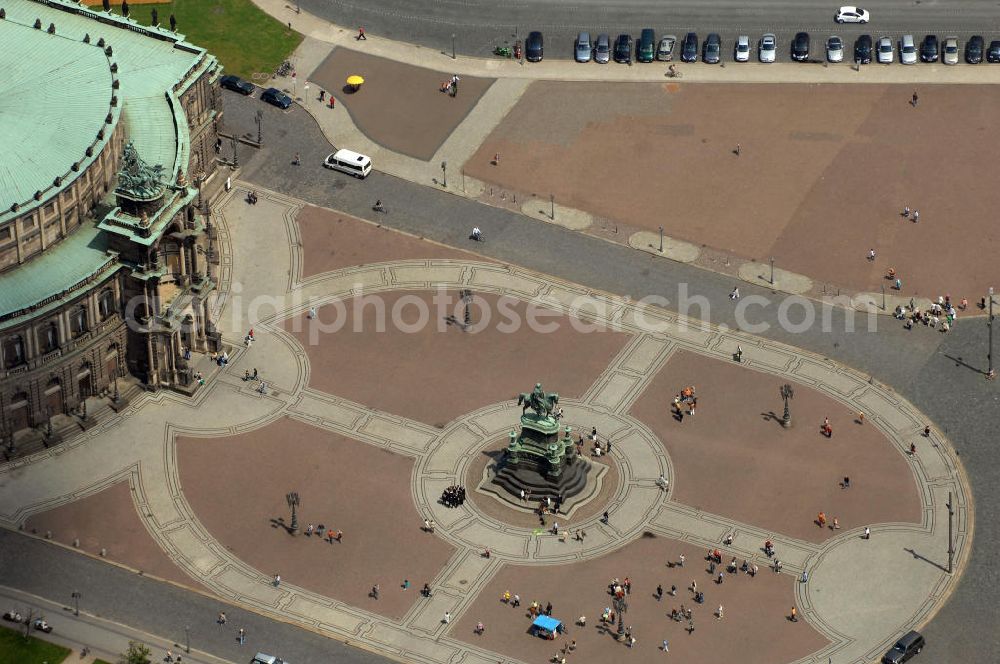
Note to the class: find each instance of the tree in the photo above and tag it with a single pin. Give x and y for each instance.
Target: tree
(107, 5)
(137, 653)
(173, 23)
(156, 18)
(124, 7)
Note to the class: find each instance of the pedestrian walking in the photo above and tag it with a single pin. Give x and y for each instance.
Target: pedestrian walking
(426, 590)
(868, 533)
(690, 626)
(673, 590)
(375, 590)
(604, 518)
(722, 575)
(361, 34)
(913, 99)
(659, 592)
(898, 285)
(694, 585)
(295, 160)
(718, 613)
(927, 431)
(836, 523)
(805, 577)
(906, 211)
(312, 313)
(795, 615)
(916, 216)
(666, 645)
(735, 294)
(821, 519)
(222, 618)
(680, 560)
(913, 449)
(322, 95)
(871, 254)
(739, 149)
(406, 584)
(277, 580)
(447, 617)
(243, 636)
(427, 525)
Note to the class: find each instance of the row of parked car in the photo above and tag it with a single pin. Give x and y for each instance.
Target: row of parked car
(647, 49)
(272, 96)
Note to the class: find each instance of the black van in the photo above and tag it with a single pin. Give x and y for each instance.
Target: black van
(905, 649)
(533, 47)
(646, 50)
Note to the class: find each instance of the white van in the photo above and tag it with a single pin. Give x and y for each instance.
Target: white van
(349, 162)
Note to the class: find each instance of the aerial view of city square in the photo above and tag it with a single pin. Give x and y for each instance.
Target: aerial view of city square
(495, 332)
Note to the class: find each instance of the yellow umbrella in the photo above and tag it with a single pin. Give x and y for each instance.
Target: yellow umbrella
(355, 80)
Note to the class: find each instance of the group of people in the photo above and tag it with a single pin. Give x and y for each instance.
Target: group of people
(453, 496)
(687, 399)
(931, 317)
(451, 86)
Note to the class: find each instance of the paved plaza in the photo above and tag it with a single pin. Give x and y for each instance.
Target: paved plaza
(374, 393)
(369, 430)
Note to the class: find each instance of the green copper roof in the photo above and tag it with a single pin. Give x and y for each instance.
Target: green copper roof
(151, 61)
(54, 96)
(59, 269)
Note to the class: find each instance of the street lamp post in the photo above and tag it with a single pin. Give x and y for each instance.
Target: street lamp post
(661, 239)
(951, 541)
(883, 297)
(293, 502)
(786, 393)
(444, 173)
(552, 203)
(453, 46)
(989, 326)
(772, 270)
(260, 118)
(76, 599)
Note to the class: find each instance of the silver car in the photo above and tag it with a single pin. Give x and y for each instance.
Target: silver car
(835, 49)
(742, 48)
(907, 50)
(950, 51)
(665, 51)
(886, 53)
(602, 49)
(583, 47)
(768, 48)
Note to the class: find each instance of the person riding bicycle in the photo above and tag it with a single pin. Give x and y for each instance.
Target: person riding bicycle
(477, 234)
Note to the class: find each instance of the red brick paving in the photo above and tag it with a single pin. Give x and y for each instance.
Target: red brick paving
(334, 240)
(237, 485)
(731, 459)
(438, 372)
(109, 520)
(754, 624)
(823, 172)
(399, 106)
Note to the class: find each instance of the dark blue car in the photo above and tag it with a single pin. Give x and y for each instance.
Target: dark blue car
(276, 97)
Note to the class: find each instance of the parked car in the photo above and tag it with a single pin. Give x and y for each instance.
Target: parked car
(236, 84)
(993, 54)
(276, 97)
(583, 49)
(800, 47)
(929, 49)
(835, 49)
(665, 51)
(602, 51)
(852, 15)
(863, 49)
(712, 51)
(623, 48)
(907, 50)
(645, 50)
(905, 649)
(974, 49)
(742, 50)
(768, 48)
(689, 49)
(885, 51)
(261, 658)
(950, 56)
(534, 47)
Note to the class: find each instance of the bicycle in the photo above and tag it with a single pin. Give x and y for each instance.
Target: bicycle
(673, 73)
(378, 207)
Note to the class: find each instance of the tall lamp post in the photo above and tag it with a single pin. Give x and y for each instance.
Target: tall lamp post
(989, 326)
(661, 239)
(260, 119)
(453, 46)
(293, 502)
(786, 393)
(444, 173)
(76, 599)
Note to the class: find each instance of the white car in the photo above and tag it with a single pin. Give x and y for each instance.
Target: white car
(742, 48)
(852, 15)
(768, 48)
(885, 51)
(908, 50)
(835, 49)
(950, 51)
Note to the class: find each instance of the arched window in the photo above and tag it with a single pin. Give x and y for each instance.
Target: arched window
(51, 337)
(13, 352)
(79, 321)
(106, 303)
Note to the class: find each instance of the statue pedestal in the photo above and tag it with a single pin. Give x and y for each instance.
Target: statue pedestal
(542, 460)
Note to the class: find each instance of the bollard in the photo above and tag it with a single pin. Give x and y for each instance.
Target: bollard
(76, 543)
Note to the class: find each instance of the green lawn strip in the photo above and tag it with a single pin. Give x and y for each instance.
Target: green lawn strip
(244, 39)
(15, 649)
